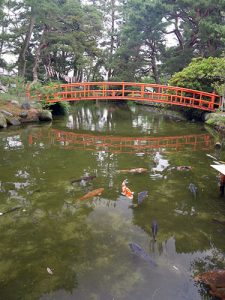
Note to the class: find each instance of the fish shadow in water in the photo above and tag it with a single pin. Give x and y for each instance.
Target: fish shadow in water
(193, 189)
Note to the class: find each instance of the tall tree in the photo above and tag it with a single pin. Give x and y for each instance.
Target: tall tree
(143, 39)
(199, 28)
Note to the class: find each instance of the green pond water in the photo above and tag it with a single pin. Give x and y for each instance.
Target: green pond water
(85, 243)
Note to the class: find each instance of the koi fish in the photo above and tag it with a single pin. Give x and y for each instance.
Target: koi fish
(184, 168)
(92, 194)
(218, 221)
(154, 229)
(215, 280)
(140, 252)
(193, 188)
(137, 170)
(142, 196)
(126, 191)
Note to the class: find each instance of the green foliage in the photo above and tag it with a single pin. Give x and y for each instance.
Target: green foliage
(215, 119)
(43, 92)
(205, 74)
(16, 88)
(15, 85)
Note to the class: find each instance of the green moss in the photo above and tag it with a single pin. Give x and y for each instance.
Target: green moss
(215, 120)
(210, 122)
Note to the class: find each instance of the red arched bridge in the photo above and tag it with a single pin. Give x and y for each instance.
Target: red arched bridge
(118, 144)
(153, 93)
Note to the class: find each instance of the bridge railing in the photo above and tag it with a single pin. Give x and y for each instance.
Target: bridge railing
(132, 91)
(118, 144)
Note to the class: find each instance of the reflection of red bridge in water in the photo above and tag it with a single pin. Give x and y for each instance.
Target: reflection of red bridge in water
(130, 91)
(118, 144)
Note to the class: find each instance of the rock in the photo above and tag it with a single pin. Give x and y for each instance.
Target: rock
(3, 123)
(45, 115)
(25, 105)
(3, 89)
(13, 121)
(6, 113)
(15, 102)
(207, 116)
(36, 104)
(23, 114)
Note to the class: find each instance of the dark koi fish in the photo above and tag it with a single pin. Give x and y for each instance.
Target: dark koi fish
(140, 252)
(142, 196)
(193, 188)
(154, 229)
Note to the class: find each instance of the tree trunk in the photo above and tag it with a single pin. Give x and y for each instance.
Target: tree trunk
(41, 46)
(155, 69)
(2, 41)
(22, 56)
(152, 56)
(111, 38)
(178, 34)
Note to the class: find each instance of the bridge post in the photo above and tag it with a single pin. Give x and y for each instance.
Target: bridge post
(84, 90)
(142, 91)
(222, 102)
(212, 100)
(104, 90)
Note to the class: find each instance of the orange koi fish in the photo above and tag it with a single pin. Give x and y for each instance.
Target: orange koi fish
(92, 194)
(126, 191)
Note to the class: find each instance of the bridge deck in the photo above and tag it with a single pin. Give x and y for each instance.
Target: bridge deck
(131, 91)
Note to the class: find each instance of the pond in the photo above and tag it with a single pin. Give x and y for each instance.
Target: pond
(56, 246)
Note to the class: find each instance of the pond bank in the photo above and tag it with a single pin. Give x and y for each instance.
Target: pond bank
(14, 113)
(216, 120)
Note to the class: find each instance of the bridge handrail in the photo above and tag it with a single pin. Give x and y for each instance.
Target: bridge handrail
(137, 91)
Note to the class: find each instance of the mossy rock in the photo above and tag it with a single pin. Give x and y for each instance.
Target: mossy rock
(45, 115)
(215, 119)
(13, 121)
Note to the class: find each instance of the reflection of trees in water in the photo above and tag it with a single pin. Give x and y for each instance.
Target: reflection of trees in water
(100, 118)
(213, 259)
(88, 119)
(107, 165)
